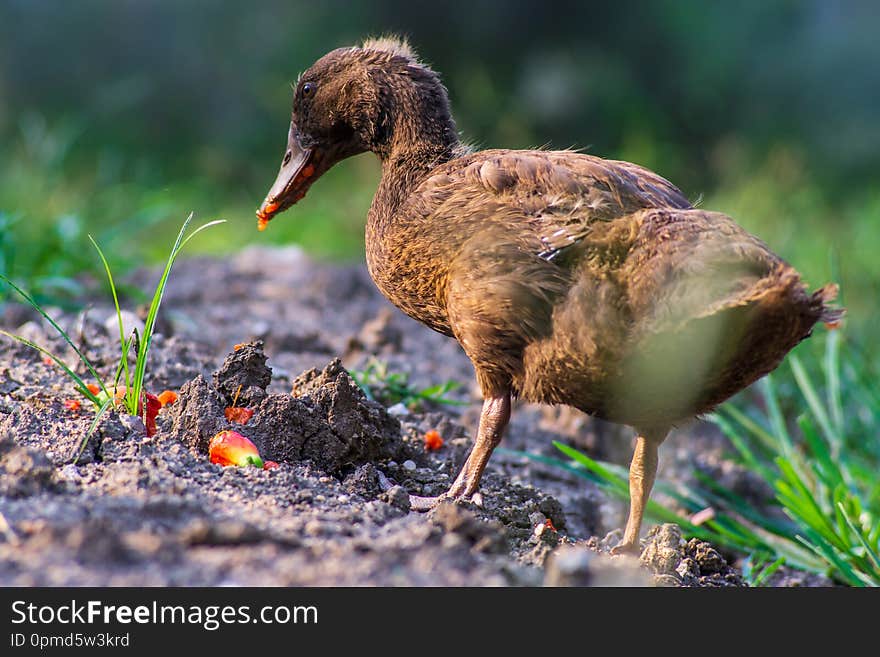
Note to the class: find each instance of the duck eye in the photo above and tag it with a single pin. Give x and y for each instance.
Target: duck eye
(308, 89)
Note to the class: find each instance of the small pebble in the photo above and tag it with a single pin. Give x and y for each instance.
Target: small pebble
(409, 464)
(398, 409)
(342, 499)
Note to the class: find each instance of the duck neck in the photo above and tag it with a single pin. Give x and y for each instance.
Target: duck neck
(416, 135)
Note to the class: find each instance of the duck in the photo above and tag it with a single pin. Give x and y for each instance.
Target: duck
(565, 277)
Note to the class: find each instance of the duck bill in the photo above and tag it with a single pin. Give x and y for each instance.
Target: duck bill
(299, 169)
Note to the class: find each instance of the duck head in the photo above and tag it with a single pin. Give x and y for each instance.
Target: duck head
(377, 97)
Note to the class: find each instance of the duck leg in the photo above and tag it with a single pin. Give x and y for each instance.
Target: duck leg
(493, 420)
(642, 472)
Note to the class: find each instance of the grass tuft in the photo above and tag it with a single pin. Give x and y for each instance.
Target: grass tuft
(389, 388)
(133, 382)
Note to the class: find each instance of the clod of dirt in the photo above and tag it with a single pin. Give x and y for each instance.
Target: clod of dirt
(118, 437)
(24, 471)
(678, 563)
(328, 421)
(571, 565)
(244, 376)
(198, 414)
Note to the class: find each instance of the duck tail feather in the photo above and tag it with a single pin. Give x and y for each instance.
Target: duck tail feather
(831, 315)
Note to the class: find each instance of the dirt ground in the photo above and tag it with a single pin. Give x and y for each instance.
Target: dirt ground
(153, 511)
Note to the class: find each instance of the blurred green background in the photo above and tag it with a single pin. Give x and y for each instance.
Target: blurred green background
(118, 118)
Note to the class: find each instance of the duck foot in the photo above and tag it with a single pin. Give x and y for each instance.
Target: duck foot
(458, 491)
(631, 549)
(418, 503)
(493, 419)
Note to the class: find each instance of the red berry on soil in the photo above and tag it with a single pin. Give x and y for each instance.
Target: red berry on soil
(167, 397)
(433, 440)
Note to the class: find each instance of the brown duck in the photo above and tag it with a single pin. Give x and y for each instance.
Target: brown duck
(566, 278)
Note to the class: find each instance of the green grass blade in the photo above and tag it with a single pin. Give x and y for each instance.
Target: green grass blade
(748, 455)
(832, 380)
(813, 401)
(593, 466)
(869, 550)
(824, 466)
(198, 230)
(144, 346)
(123, 363)
(767, 571)
(777, 422)
(759, 432)
(825, 551)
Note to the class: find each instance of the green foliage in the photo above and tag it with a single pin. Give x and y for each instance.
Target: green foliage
(822, 471)
(133, 381)
(389, 388)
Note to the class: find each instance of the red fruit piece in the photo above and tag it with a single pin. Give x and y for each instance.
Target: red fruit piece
(153, 406)
(72, 404)
(93, 388)
(433, 440)
(167, 397)
(238, 414)
(231, 448)
(549, 525)
(270, 465)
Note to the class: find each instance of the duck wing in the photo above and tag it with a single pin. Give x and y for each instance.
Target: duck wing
(555, 196)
